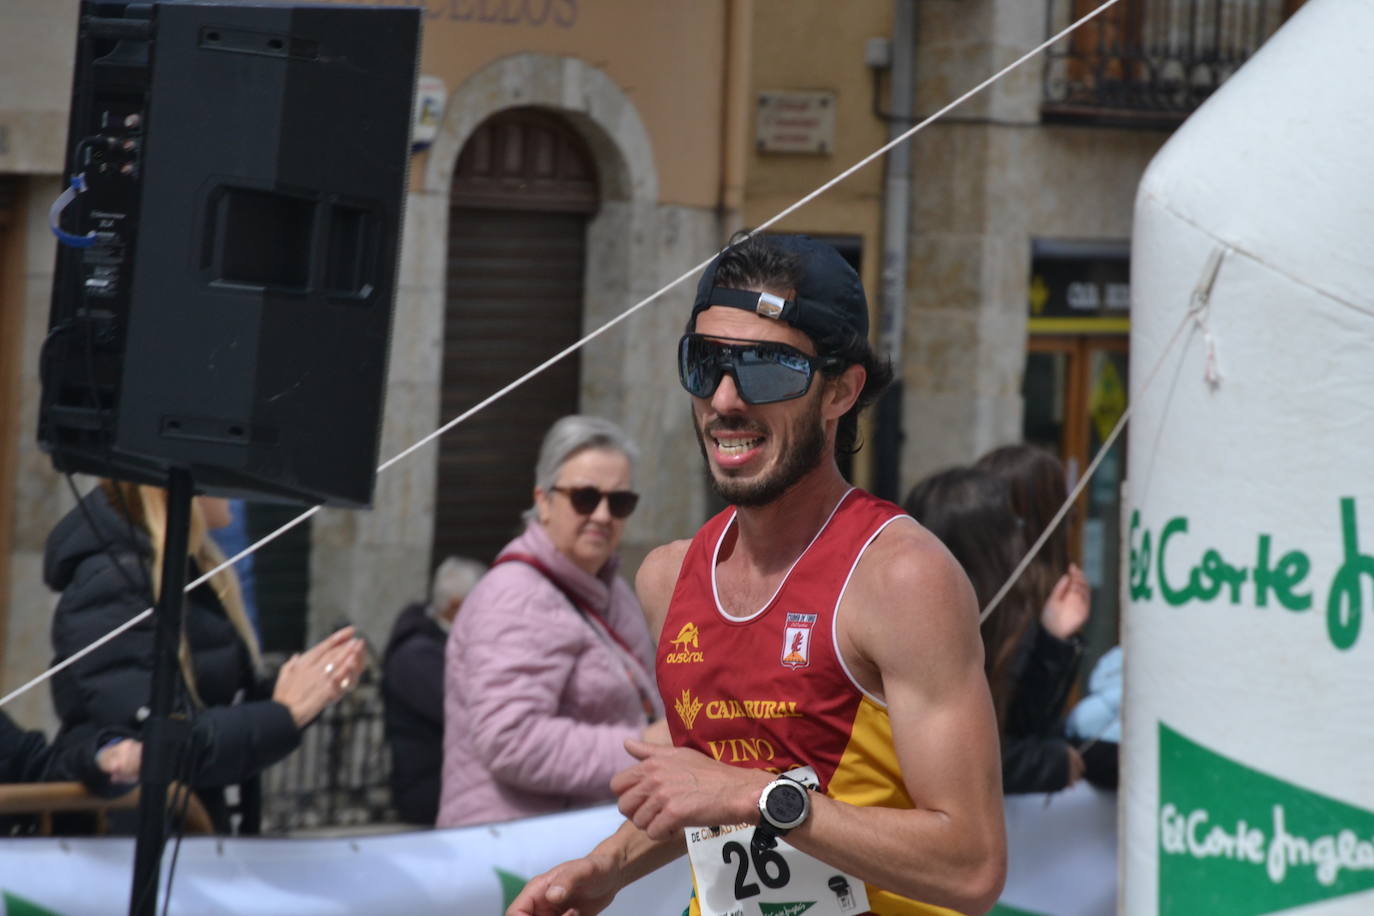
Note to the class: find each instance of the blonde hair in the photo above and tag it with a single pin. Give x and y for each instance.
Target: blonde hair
(147, 507)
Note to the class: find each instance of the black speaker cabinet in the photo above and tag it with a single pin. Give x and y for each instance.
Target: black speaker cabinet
(224, 289)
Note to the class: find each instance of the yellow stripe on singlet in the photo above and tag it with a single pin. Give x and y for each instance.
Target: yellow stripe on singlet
(870, 777)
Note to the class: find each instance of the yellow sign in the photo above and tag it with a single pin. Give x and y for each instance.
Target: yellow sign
(1108, 400)
(1039, 295)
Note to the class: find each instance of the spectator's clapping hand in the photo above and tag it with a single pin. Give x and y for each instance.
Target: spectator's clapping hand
(1068, 606)
(122, 761)
(312, 680)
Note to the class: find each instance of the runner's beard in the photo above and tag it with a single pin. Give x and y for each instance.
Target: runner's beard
(805, 455)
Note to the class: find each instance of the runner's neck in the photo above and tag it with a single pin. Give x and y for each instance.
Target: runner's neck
(768, 539)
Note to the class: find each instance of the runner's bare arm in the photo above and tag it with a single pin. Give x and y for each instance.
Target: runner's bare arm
(656, 580)
(909, 630)
(908, 627)
(588, 885)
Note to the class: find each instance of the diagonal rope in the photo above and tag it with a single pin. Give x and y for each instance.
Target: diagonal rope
(577, 345)
(1195, 310)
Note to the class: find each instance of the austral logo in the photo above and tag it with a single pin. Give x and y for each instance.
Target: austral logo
(685, 645)
(687, 707)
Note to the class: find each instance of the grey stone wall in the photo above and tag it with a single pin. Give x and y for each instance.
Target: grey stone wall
(41, 497)
(366, 565)
(985, 183)
(37, 45)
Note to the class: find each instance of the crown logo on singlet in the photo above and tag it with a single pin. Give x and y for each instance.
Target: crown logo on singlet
(687, 707)
(796, 640)
(685, 644)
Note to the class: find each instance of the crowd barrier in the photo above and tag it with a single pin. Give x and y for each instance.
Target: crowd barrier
(1062, 863)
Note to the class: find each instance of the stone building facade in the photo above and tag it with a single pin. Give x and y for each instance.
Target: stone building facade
(664, 100)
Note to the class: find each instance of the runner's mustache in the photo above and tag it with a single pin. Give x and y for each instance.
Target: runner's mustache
(733, 425)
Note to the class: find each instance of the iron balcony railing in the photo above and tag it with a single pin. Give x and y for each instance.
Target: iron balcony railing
(339, 777)
(1149, 62)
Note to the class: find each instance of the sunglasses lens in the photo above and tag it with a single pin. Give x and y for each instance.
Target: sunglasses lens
(699, 366)
(764, 372)
(584, 499)
(772, 373)
(622, 503)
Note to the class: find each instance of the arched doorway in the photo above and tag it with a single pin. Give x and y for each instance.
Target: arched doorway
(523, 190)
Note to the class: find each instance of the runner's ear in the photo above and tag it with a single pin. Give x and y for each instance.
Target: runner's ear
(842, 391)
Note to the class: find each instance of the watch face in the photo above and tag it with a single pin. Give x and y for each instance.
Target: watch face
(786, 803)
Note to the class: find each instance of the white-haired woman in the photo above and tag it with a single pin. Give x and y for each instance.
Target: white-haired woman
(548, 668)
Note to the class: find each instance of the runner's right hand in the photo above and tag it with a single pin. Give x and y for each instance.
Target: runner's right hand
(582, 887)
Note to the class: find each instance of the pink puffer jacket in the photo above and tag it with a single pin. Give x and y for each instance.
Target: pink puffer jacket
(538, 704)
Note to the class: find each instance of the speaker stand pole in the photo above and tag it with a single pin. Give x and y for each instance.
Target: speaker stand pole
(160, 744)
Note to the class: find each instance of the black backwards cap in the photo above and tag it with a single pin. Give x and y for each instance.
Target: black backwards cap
(830, 306)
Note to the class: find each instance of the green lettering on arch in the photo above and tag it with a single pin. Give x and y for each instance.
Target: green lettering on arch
(1174, 596)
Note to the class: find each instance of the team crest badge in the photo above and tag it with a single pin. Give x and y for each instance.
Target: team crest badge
(796, 640)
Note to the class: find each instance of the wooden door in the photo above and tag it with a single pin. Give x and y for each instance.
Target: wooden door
(524, 189)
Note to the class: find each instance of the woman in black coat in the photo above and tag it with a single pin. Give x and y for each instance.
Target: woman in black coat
(105, 557)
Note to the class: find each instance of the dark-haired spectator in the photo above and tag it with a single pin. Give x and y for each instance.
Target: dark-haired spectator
(1039, 487)
(1030, 656)
(413, 690)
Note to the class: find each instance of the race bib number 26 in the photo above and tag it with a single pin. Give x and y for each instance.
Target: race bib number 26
(736, 877)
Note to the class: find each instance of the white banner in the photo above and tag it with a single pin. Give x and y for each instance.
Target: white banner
(475, 871)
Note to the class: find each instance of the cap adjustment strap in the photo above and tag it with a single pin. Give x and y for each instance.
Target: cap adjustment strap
(766, 305)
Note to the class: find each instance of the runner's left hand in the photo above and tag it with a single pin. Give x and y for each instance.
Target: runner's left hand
(676, 787)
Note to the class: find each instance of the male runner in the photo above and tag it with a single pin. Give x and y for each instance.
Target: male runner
(813, 630)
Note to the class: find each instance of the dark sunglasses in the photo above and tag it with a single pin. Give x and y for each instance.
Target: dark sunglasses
(764, 371)
(584, 500)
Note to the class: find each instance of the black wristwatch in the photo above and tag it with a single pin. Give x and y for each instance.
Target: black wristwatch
(783, 805)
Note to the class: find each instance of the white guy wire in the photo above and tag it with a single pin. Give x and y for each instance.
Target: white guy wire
(577, 345)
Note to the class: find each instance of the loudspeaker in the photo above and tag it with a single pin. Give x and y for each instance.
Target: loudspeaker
(224, 290)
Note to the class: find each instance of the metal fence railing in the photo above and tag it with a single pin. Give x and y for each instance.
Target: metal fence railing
(338, 777)
(1149, 62)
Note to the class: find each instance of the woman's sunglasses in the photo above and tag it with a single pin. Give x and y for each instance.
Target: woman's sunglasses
(764, 371)
(584, 500)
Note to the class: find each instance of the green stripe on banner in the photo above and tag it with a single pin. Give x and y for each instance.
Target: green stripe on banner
(1237, 842)
(18, 906)
(1002, 909)
(511, 886)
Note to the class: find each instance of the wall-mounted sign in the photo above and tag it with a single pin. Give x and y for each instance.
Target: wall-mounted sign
(796, 122)
(1083, 284)
(430, 97)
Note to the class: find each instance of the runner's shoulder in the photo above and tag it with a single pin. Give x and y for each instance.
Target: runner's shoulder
(662, 564)
(905, 560)
(656, 579)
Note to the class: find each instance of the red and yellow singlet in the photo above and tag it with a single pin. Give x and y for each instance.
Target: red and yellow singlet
(770, 691)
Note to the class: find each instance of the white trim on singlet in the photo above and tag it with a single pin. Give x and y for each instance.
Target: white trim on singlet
(835, 614)
(715, 562)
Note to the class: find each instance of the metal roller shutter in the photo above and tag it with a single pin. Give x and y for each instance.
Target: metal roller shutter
(523, 192)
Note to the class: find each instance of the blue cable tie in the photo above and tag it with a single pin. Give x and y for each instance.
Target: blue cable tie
(78, 186)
